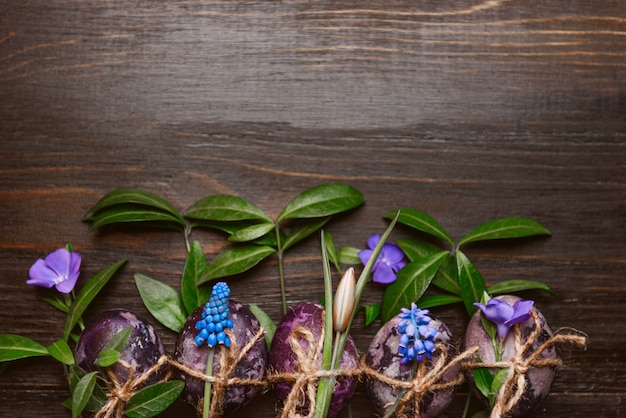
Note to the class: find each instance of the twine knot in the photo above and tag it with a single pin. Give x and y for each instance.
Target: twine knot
(514, 384)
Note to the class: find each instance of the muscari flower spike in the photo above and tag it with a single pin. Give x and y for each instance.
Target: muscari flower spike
(211, 328)
(416, 336)
(389, 262)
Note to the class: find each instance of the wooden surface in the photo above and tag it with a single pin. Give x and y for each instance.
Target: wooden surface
(467, 110)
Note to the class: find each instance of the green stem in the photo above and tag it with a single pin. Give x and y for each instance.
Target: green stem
(281, 274)
(206, 409)
(393, 408)
(467, 404)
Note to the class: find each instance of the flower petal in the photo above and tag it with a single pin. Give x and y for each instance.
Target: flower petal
(372, 241)
(521, 312)
(41, 275)
(59, 261)
(365, 255)
(383, 274)
(393, 254)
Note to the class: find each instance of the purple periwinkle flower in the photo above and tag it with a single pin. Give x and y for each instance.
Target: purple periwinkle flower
(390, 260)
(505, 315)
(60, 268)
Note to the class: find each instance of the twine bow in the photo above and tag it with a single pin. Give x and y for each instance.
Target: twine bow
(121, 393)
(306, 377)
(515, 382)
(220, 380)
(424, 381)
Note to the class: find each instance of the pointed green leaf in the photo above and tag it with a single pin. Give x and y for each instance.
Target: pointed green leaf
(119, 340)
(110, 353)
(348, 255)
(62, 352)
(415, 249)
(470, 281)
(57, 303)
(505, 228)
(98, 397)
(422, 222)
(322, 200)
(82, 393)
(14, 346)
(512, 286)
(447, 277)
(136, 214)
(162, 301)
(438, 300)
(136, 198)
(225, 208)
(154, 399)
(195, 266)
(411, 283)
(483, 380)
(371, 313)
(87, 294)
(264, 319)
(235, 260)
(107, 357)
(303, 229)
(251, 232)
(331, 251)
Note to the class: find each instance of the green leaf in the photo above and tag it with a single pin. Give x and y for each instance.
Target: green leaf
(505, 228)
(252, 232)
(110, 353)
(431, 301)
(471, 282)
(136, 198)
(82, 393)
(411, 283)
(87, 294)
(119, 340)
(13, 347)
(498, 380)
(447, 277)
(348, 255)
(57, 303)
(264, 319)
(195, 266)
(331, 251)
(322, 200)
(62, 352)
(235, 260)
(225, 208)
(483, 380)
(421, 221)
(371, 313)
(415, 249)
(162, 301)
(107, 357)
(303, 229)
(135, 214)
(512, 286)
(154, 399)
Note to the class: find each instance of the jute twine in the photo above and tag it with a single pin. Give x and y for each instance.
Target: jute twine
(221, 380)
(120, 393)
(304, 380)
(525, 358)
(424, 381)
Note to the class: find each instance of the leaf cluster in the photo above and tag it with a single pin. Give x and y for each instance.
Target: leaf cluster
(254, 236)
(449, 269)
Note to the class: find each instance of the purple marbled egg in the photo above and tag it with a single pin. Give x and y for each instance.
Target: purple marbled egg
(251, 367)
(382, 357)
(283, 359)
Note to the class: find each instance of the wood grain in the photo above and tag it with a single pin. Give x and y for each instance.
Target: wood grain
(468, 110)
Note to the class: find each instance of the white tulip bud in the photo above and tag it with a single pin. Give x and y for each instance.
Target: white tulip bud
(343, 305)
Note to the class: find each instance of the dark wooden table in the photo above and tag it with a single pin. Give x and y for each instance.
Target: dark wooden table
(468, 110)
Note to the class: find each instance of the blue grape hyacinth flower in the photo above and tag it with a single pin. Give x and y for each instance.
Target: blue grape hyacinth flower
(215, 319)
(416, 336)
